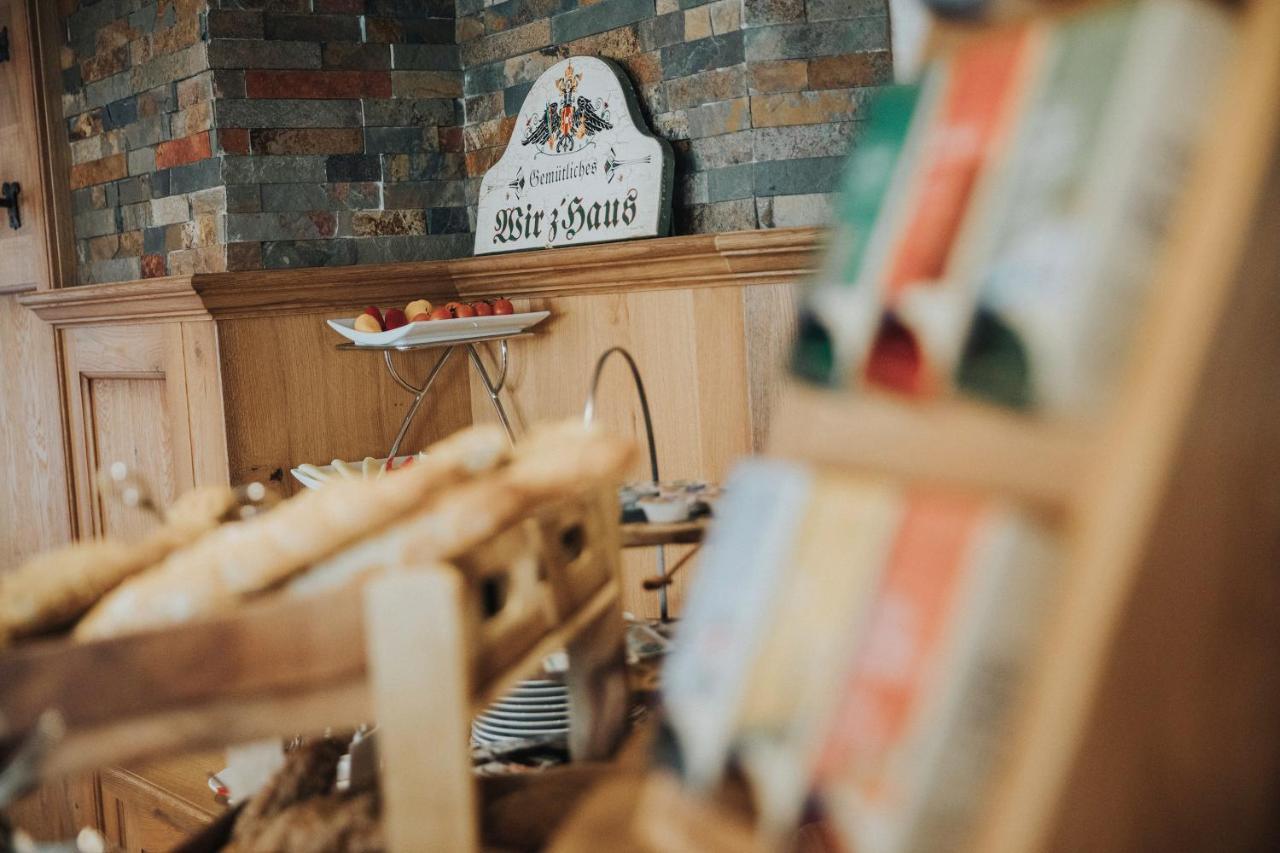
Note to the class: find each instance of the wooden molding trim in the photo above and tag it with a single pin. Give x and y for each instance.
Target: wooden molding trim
(702, 260)
(152, 299)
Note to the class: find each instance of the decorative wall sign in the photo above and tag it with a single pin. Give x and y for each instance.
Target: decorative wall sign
(580, 166)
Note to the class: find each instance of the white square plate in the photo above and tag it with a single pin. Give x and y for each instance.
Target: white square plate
(441, 331)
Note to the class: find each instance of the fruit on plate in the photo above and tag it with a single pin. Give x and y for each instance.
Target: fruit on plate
(376, 314)
(416, 307)
(421, 317)
(503, 306)
(482, 308)
(441, 313)
(464, 310)
(368, 323)
(394, 319)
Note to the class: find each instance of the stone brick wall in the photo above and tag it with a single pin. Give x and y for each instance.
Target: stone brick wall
(246, 134)
(759, 98)
(339, 126)
(145, 192)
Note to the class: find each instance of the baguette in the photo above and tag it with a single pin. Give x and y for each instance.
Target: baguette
(52, 589)
(242, 559)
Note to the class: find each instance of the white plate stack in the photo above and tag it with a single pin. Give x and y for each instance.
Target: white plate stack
(537, 709)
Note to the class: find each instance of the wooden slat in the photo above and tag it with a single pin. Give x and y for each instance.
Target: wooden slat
(275, 648)
(953, 443)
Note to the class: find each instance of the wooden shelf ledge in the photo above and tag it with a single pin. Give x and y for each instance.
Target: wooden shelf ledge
(767, 256)
(952, 443)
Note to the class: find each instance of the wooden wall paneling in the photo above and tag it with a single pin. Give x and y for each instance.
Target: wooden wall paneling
(45, 22)
(127, 400)
(23, 260)
(291, 397)
(59, 809)
(769, 326)
(691, 347)
(203, 380)
(34, 501)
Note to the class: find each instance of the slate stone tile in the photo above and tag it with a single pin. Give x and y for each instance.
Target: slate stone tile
(804, 141)
(365, 57)
(134, 190)
(402, 112)
(737, 215)
(679, 60)
(312, 27)
(448, 220)
(234, 23)
(382, 250)
(803, 41)
(423, 194)
(425, 57)
(797, 177)
(599, 17)
(404, 31)
(289, 113)
(757, 13)
(661, 31)
(289, 254)
(393, 140)
(195, 176)
(513, 97)
(256, 53)
(341, 196)
(353, 167)
(273, 170)
(731, 182)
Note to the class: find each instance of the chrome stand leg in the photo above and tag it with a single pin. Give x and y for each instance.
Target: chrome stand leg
(491, 388)
(419, 395)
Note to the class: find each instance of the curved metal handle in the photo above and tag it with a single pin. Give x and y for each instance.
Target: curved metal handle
(589, 415)
(589, 412)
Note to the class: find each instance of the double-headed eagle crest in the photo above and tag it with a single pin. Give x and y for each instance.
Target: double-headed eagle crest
(565, 122)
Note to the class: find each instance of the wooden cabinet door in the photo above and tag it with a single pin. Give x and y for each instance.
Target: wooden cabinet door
(139, 816)
(148, 395)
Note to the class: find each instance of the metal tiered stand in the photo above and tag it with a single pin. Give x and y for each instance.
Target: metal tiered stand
(419, 393)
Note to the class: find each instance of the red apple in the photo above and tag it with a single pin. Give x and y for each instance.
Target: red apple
(376, 314)
(420, 317)
(503, 306)
(483, 309)
(464, 310)
(441, 313)
(394, 318)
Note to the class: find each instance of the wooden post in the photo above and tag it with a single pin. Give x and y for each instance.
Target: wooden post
(419, 672)
(599, 696)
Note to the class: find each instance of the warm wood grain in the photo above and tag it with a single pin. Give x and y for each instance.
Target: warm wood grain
(139, 816)
(59, 808)
(45, 29)
(291, 397)
(23, 258)
(954, 443)
(34, 503)
(707, 317)
(737, 259)
(1204, 288)
(128, 400)
(419, 651)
